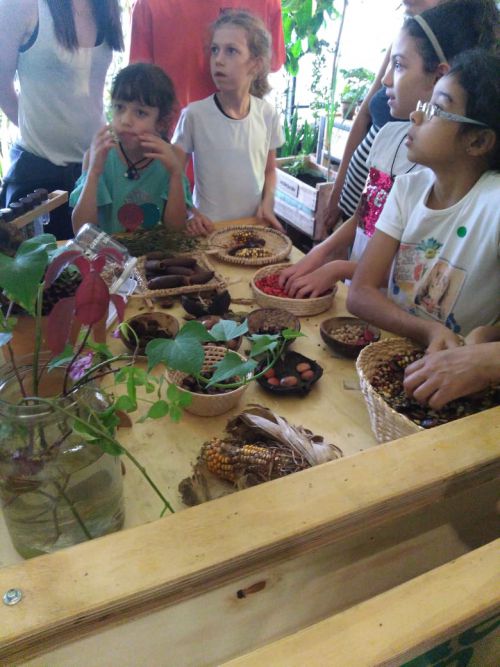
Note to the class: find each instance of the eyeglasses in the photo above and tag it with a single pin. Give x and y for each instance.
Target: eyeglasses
(430, 110)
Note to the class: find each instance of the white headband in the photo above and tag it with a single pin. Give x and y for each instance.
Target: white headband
(431, 37)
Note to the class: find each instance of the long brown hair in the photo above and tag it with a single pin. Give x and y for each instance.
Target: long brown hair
(106, 15)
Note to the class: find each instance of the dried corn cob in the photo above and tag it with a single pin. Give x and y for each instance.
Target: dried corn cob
(230, 461)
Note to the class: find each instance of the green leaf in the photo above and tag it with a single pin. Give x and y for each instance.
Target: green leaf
(261, 343)
(100, 348)
(158, 410)
(178, 397)
(126, 403)
(231, 366)
(197, 330)
(183, 353)
(175, 413)
(228, 330)
(291, 334)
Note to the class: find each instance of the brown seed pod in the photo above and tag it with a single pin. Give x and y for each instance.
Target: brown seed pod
(301, 368)
(164, 282)
(289, 381)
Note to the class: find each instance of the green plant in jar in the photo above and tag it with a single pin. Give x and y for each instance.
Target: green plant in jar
(60, 476)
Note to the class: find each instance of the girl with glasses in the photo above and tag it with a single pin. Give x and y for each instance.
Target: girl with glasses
(439, 232)
(419, 57)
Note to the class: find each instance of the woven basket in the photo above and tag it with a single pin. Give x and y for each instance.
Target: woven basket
(277, 243)
(386, 423)
(299, 307)
(216, 283)
(210, 405)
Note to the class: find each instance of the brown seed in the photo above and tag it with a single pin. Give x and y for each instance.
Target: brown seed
(273, 381)
(307, 375)
(289, 381)
(301, 368)
(270, 373)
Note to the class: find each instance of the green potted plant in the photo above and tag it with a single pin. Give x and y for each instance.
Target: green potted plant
(60, 478)
(357, 83)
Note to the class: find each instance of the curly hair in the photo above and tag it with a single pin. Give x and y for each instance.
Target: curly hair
(458, 25)
(259, 44)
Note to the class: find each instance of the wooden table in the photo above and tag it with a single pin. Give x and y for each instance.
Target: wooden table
(320, 540)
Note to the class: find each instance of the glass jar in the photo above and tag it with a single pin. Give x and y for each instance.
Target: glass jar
(56, 489)
(91, 239)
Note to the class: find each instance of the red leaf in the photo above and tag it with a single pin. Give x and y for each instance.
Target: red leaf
(59, 324)
(92, 299)
(83, 265)
(58, 264)
(120, 304)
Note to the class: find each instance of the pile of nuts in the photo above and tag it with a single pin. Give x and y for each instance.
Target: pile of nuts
(250, 252)
(353, 334)
(303, 371)
(388, 382)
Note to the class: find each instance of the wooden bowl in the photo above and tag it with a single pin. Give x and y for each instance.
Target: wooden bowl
(286, 366)
(329, 327)
(299, 307)
(149, 326)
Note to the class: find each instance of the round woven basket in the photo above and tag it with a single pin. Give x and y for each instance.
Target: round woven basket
(277, 244)
(299, 307)
(209, 405)
(386, 423)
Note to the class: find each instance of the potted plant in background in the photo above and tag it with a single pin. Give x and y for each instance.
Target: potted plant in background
(357, 83)
(60, 477)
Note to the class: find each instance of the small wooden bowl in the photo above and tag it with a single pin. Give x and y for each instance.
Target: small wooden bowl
(149, 326)
(286, 366)
(371, 334)
(216, 303)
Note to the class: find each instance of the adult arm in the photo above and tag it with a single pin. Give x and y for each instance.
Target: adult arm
(141, 37)
(367, 301)
(278, 41)
(18, 19)
(484, 334)
(357, 133)
(442, 376)
(266, 208)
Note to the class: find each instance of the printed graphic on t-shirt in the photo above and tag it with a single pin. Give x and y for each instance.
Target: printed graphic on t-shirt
(425, 282)
(373, 199)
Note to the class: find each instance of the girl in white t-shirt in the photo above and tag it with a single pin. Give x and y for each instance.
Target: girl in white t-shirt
(233, 135)
(419, 57)
(440, 228)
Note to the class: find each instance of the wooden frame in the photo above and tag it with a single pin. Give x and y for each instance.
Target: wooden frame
(342, 533)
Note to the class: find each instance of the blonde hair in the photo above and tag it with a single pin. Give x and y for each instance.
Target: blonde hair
(259, 44)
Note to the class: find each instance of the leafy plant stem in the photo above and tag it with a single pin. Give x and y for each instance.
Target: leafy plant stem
(38, 336)
(109, 438)
(74, 511)
(75, 357)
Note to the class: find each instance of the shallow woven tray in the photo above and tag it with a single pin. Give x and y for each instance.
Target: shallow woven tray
(216, 283)
(277, 243)
(386, 423)
(299, 307)
(209, 405)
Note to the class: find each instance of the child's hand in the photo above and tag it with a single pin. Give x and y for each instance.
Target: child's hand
(313, 284)
(442, 338)
(156, 148)
(101, 144)
(265, 212)
(198, 224)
